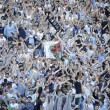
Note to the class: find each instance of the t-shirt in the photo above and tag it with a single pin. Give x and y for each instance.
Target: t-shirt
(93, 39)
(30, 105)
(38, 104)
(87, 28)
(106, 38)
(103, 24)
(104, 106)
(107, 75)
(14, 105)
(8, 30)
(14, 86)
(87, 91)
(31, 40)
(90, 53)
(1, 29)
(9, 95)
(22, 33)
(96, 97)
(78, 87)
(1, 6)
(78, 43)
(2, 40)
(90, 106)
(30, 51)
(40, 35)
(2, 15)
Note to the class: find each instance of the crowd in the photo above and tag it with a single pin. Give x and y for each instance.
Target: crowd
(77, 77)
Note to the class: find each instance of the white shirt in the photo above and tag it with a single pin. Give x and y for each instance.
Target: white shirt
(40, 35)
(27, 55)
(29, 17)
(92, 83)
(9, 79)
(106, 37)
(90, 53)
(2, 40)
(30, 51)
(87, 28)
(87, 91)
(104, 106)
(90, 106)
(71, 1)
(1, 6)
(14, 86)
(34, 96)
(18, 0)
(14, 105)
(1, 81)
(52, 30)
(47, 6)
(9, 29)
(67, 14)
(86, 73)
(10, 95)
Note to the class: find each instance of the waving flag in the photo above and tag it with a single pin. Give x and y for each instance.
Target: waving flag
(52, 49)
(56, 48)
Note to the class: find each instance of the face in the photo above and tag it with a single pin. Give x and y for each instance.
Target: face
(30, 46)
(1, 35)
(96, 107)
(21, 79)
(15, 80)
(13, 100)
(29, 99)
(96, 91)
(24, 99)
(7, 75)
(19, 100)
(99, 69)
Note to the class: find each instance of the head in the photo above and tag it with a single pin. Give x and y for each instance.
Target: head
(19, 100)
(1, 36)
(7, 75)
(29, 99)
(12, 100)
(23, 99)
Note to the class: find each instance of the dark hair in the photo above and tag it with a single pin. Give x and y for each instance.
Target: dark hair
(3, 104)
(76, 77)
(29, 97)
(3, 18)
(76, 109)
(1, 91)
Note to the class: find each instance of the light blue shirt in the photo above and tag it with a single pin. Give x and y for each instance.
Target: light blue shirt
(93, 39)
(101, 57)
(104, 106)
(31, 40)
(72, 55)
(8, 30)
